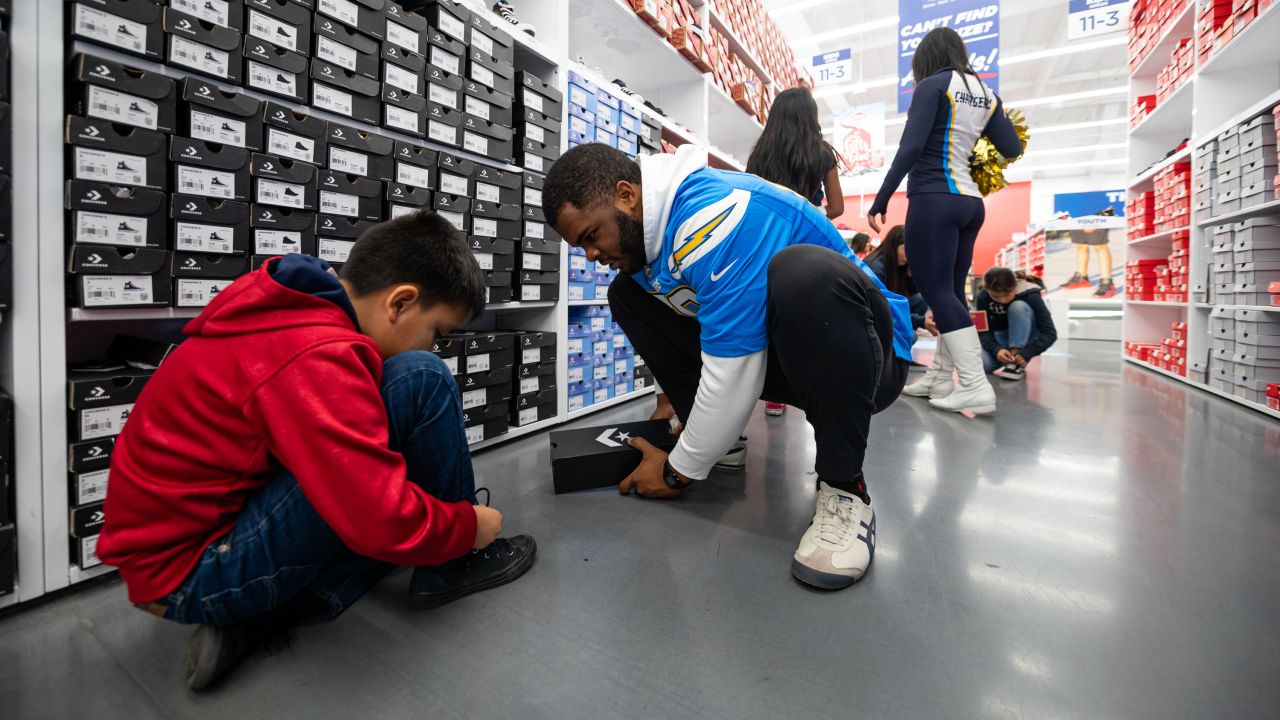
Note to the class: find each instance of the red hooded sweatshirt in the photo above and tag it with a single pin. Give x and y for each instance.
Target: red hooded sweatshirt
(270, 377)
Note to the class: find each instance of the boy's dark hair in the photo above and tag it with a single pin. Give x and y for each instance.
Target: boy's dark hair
(585, 177)
(1000, 279)
(422, 249)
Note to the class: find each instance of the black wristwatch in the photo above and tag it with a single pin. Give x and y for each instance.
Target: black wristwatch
(673, 480)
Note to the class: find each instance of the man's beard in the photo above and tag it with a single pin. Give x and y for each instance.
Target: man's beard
(631, 239)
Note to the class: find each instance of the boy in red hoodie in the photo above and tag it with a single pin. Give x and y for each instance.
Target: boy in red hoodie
(302, 443)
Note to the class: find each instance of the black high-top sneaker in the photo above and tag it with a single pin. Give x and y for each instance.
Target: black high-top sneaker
(502, 561)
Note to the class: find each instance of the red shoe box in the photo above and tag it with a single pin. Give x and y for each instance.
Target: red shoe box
(1274, 291)
(1141, 108)
(1139, 214)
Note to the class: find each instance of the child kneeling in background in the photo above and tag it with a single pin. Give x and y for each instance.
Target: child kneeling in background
(1019, 326)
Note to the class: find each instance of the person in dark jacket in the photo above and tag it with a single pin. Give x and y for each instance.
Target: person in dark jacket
(1019, 326)
(889, 263)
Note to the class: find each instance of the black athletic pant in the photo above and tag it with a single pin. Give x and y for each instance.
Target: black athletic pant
(830, 349)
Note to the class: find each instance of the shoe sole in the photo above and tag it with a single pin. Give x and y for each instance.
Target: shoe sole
(976, 410)
(1017, 378)
(819, 579)
(718, 466)
(513, 573)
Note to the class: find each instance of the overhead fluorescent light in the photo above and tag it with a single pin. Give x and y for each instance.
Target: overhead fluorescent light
(1064, 50)
(1067, 97)
(859, 29)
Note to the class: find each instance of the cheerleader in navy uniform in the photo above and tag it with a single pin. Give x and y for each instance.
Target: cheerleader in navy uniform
(951, 109)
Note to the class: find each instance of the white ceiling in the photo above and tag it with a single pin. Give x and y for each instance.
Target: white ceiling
(1029, 29)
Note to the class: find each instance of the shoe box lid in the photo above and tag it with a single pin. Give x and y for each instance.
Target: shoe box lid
(101, 386)
(366, 16)
(405, 29)
(90, 455)
(415, 196)
(598, 457)
(112, 89)
(118, 199)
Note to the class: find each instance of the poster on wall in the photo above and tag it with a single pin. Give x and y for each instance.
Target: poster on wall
(859, 137)
(1091, 18)
(1084, 257)
(1098, 202)
(977, 21)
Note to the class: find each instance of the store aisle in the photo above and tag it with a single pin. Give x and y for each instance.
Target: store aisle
(1103, 548)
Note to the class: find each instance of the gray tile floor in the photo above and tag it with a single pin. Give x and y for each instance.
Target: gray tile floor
(1105, 547)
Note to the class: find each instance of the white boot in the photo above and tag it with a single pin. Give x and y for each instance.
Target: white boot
(936, 382)
(974, 390)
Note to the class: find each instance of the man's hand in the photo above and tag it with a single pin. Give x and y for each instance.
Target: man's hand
(1004, 357)
(1018, 359)
(647, 479)
(875, 220)
(488, 525)
(930, 325)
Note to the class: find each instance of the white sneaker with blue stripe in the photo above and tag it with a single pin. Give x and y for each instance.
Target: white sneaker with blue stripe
(836, 550)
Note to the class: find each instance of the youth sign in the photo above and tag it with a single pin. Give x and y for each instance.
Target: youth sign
(977, 21)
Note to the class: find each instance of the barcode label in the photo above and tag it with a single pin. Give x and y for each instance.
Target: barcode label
(535, 133)
(639, 361)
(530, 292)
(533, 196)
(452, 364)
(339, 204)
(577, 292)
(91, 487)
(274, 192)
(107, 229)
(600, 348)
(276, 242)
(110, 29)
(331, 99)
(214, 11)
(120, 107)
(286, 144)
(336, 53)
(344, 10)
(484, 227)
(477, 107)
(576, 402)
(415, 175)
(200, 57)
(602, 395)
(576, 124)
(89, 552)
(475, 398)
(534, 229)
(454, 185)
(474, 143)
(346, 161)
(215, 128)
(198, 293)
(335, 250)
(398, 210)
(487, 193)
(444, 60)
(478, 363)
(458, 220)
(576, 374)
(575, 345)
(453, 26)
(577, 262)
(398, 117)
(527, 416)
(399, 77)
(597, 324)
(640, 383)
(482, 75)
(533, 162)
(484, 260)
(482, 42)
(440, 132)
(196, 237)
(206, 182)
(444, 96)
(621, 389)
(529, 385)
(269, 78)
(398, 34)
(273, 30)
(115, 168)
(104, 421)
(103, 290)
(530, 261)
(531, 355)
(532, 101)
(475, 434)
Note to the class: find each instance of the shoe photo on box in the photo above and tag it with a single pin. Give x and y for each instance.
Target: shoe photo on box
(836, 550)
(500, 562)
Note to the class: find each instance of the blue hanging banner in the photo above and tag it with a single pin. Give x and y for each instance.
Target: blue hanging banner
(977, 21)
(1080, 204)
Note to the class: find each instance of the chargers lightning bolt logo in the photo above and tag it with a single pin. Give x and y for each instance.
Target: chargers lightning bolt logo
(706, 229)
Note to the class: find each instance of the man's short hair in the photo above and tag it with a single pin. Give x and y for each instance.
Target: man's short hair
(421, 249)
(585, 177)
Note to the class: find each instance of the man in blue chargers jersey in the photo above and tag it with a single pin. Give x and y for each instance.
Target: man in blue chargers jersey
(735, 289)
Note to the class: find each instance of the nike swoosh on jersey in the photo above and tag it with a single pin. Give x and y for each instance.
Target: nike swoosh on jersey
(715, 277)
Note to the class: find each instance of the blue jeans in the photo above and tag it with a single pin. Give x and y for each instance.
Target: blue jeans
(281, 553)
(1022, 330)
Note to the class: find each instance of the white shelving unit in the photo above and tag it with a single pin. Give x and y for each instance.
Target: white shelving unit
(1240, 81)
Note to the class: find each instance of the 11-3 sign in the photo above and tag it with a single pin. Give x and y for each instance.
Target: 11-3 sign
(833, 68)
(1088, 18)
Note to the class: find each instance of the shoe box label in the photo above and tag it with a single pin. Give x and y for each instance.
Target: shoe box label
(488, 193)
(289, 35)
(443, 95)
(276, 192)
(533, 162)
(454, 184)
(131, 34)
(271, 80)
(441, 131)
(89, 487)
(482, 43)
(110, 229)
(342, 10)
(207, 182)
(218, 129)
(281, 242)
(344, 56)
(275, 69)
(332, 99)
(214, 11)
(87, 553)
(483, 75)
(198, 293)
(445, 60)
(197, 237)
(335, 251)
(334, 203)
(402, 36)
(493, 228)
(123, 108)
(475, 143)
(111, 167)
(402, 78)
(533, 196)
(456, 219)
(197, 56)
(414, 175)
(295, 147)
(396, 211)
(535, 230)
(347, 161)
(404, 119)
(539, 261)
(116, 290)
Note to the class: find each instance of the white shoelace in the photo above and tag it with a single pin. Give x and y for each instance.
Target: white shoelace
(835, 521)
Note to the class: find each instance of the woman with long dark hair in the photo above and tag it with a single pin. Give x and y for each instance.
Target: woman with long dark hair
(889, 263)
(951, 109)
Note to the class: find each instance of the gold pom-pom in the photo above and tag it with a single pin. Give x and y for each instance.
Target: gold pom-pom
(987, 164)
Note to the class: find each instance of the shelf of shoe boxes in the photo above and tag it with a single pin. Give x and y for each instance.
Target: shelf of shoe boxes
(8, 514)
(327, 136)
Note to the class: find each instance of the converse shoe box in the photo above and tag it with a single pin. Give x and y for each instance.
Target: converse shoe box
(487, 104)
(485, 388)
(486, 421)
(116, 154)
(539, 96)
(87, 487)
(444, 88)
(103, 214)
(455, 209)
(294, 134)
(536, 347)
(498, 288)
(198, 278)
(535, 224)
(225, 13)
(536, 156)
(345, 93)
(112, 91)
(444, 125)
(446, 53)
(491, 72)
(100, 400)
(283, 23)
(450, 17)
(350, 196)
(537, 286)
(209, 169)
(403, 69)
(403, 111)
(208, 225)
(345, 48)
(486, 138)
(494, 254)
(415, 166)
(219, 115)
(129, 26)
(336, 235)
(599, 457)
(539, 255)
(540, 128)
(283, 182)
(490, 40)
(357, 152)
(90, 455)
(456, 175)
(495, 221)
(405, 29)
(533, 407)
(532, 189)
(202, 46)
(483, 352)
(531, 378)
(365, 16)
(279, 231)
(84, 552)
(275, 70)
(406, 200)
(494, 185)
(86, 520)
(449, 349)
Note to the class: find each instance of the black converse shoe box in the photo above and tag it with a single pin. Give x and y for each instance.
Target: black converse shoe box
(350, 196)
(456, 175)
(283, 182)
(485, 388)
(209, 169)
(536, 347)
(405, 29)
(117, 154)
(494, 185)
(444, 88)
(202, 46)
(280, 231)
(494, 220)
(336, 235)
(366, 16)
(494, 254)
(533, 407)
(283, 23)
(540, 128)
(219, 115)
(491, 72)
(403, 69)
(403, 111)
(341, 91)
(535, 225)
(224, 13)
(446, 53)
(535, 378)
(444, 125)
(112, 91)
(488, 104)
(532, 189)
(100, 400)
(488, 39)
(345, 47)
(357, 152)
(539, 255)
(449, 17)
(455, 209)
(126, 25)
(406, 199)
(275, 70)
(449, 349)
(199, 265)
(483, 352)
(538, 286)
(598, 457)
(483, 416)
(487, 138)
(103, 214)
(209, 225)
(294, 134)
(497, 287)
(415, 166)
(536, 156)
